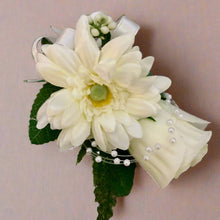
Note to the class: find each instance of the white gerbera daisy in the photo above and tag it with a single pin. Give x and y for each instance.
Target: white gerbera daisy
(104, 91)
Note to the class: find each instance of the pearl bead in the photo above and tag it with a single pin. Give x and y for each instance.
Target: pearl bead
(116, 161)
(157, 146)
(146, 157)
(114, 153)
(98, 152)
(177, 111)
(170, 122)
(168, 96)
(149, 149)
(94, 144)
(89, 150)
(180, 115)
(173, 140)
(168, 101)
(127, 162)
(98, 159)
(171, 130)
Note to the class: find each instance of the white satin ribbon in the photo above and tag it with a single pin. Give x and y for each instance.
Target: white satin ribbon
(56, 30)
(66, 38)
(35, 48)
(125, 26)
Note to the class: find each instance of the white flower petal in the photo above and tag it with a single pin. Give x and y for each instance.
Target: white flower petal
(125, 74)
(80, 132)
(105, 69)
(42, 110)
(115, 48)
(118, 138)
(42, 119)
(64, 139)
(141, 107)
(134, 129)
(142, 85)
(58, 102)
(71, 115)
(85, 44)
(123, 117)
(53, 74)
(195, 142)
(42, 122)
(162, 83)
(146, 64)
(99, 135)
(192, 119)
(43, 59)
(130, 57)
(107, 121)
(63, 57)
(135, 48)
(55, 122)
(200, 155)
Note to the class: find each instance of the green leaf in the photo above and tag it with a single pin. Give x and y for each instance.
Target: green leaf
(46, 134)
(163, 97)
(150, 74)
(106, 38)
(81, 154)
(45, 40)
(111, 181)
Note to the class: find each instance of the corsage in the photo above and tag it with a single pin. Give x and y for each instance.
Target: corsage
(100, 96)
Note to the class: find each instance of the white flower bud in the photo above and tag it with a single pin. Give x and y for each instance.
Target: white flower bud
(112, 25)
(98, 17)
(94, 32)
(109, 19)
(104, 30)
(90, 20)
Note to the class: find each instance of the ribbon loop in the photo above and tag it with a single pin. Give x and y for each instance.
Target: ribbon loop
(124, 26)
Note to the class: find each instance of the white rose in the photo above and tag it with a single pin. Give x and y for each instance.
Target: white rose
(171, 145)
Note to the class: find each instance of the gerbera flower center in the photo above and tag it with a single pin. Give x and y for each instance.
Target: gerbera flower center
(98, 92)
(100, 95)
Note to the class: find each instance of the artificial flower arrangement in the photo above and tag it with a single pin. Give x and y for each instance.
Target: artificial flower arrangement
(100, 96)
